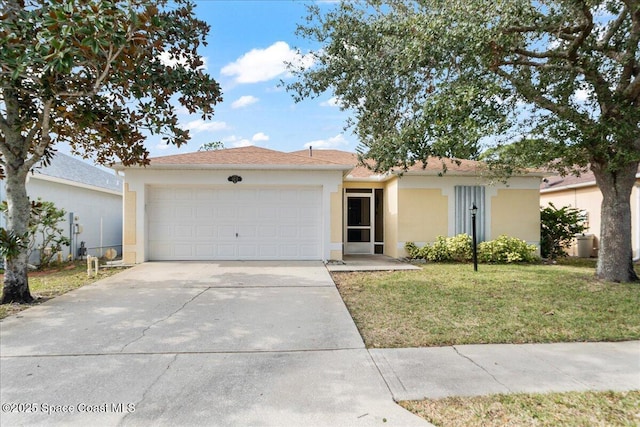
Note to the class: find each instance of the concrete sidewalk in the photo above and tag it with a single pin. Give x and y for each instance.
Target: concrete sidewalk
(470, 370)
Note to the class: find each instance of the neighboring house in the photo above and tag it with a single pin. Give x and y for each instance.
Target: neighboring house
(92, 198)
(253, 203)
(581, 192)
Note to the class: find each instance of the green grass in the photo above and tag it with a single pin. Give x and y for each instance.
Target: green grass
(48, 284)
(446, 304)
(553, 409)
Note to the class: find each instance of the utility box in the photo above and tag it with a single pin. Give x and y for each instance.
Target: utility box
(585, 245)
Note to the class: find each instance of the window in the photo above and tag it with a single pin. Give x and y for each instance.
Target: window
(466, 196)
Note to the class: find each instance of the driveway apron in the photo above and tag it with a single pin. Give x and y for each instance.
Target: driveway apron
(192, 343)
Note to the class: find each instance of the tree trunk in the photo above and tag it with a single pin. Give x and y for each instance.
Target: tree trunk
(16, 285)
(615, 255)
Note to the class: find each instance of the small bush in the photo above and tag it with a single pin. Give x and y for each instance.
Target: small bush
(506, 249)
(558, 228)
(460, 247)
(413, 251)
(439, 251)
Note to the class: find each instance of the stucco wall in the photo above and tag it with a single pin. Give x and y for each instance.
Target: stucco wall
(99, 213)
(516, 213)
(422, 214)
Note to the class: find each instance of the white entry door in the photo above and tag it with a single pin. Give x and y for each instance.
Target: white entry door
(204, 223)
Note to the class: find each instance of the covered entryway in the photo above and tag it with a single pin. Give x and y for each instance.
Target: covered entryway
(247, 223)
(363, 221)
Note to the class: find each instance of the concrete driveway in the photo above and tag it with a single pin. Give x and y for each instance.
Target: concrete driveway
(231, 343)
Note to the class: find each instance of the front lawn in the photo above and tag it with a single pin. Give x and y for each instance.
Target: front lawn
(447, 304)
(553, 409)
(45, 285)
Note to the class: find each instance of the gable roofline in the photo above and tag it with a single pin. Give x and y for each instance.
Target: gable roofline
(247, 158)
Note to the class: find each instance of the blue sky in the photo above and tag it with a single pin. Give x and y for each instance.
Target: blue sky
(247, 44)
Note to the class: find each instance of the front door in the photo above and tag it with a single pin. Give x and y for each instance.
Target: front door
(359, 216)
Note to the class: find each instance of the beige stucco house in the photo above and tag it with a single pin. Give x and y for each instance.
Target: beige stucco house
(252, 203)
(583, 193)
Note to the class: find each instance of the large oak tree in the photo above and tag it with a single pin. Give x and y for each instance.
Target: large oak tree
(552, 83)
(99, 75)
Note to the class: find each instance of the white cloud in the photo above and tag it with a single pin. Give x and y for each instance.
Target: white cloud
(581, 95)
(244, 101)
(261, 65)
(333, 142)
(260, 136)
(235, 142)
(200, 125)
(331, 102)
(166, 59)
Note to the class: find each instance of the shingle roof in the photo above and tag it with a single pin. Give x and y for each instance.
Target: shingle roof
(434, 166)
(558, 182)
(69, 168)
(248, 156)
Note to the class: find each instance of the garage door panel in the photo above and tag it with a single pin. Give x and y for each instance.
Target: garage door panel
(226, 251)
(205, 232)
(239, 223)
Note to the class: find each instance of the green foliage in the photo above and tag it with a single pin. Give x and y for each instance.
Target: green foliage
(459, 248)
(412, 250)
(444, 249)
(439, 251)
(43, 230)
(506, 250)
(558, 228)
(212, 146)
(10, 244)
(100, 75)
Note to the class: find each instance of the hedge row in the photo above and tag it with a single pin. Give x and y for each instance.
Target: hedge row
(459, 248)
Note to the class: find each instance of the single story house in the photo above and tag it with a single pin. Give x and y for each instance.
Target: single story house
(92, 198)
(253, 203)
(582, 192)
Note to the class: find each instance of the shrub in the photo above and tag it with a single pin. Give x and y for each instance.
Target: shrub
(444, 249)
(413, 251)
(558, 227)
(506, 249)
(439, 251)
(460, 247)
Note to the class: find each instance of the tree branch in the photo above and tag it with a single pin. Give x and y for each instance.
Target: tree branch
(529, 92)
(45, 138)
(602, 44)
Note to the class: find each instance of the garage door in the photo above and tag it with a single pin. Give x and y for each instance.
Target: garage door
(234, 223)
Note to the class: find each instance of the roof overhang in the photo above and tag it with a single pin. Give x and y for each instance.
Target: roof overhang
(345, 168)
(574, 186)
(68, 182)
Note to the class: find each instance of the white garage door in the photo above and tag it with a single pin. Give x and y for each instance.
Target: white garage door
(234, 223)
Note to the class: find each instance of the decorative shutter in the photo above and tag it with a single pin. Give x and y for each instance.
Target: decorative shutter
(466, 196)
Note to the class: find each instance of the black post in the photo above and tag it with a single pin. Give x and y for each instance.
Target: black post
(474, 209)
